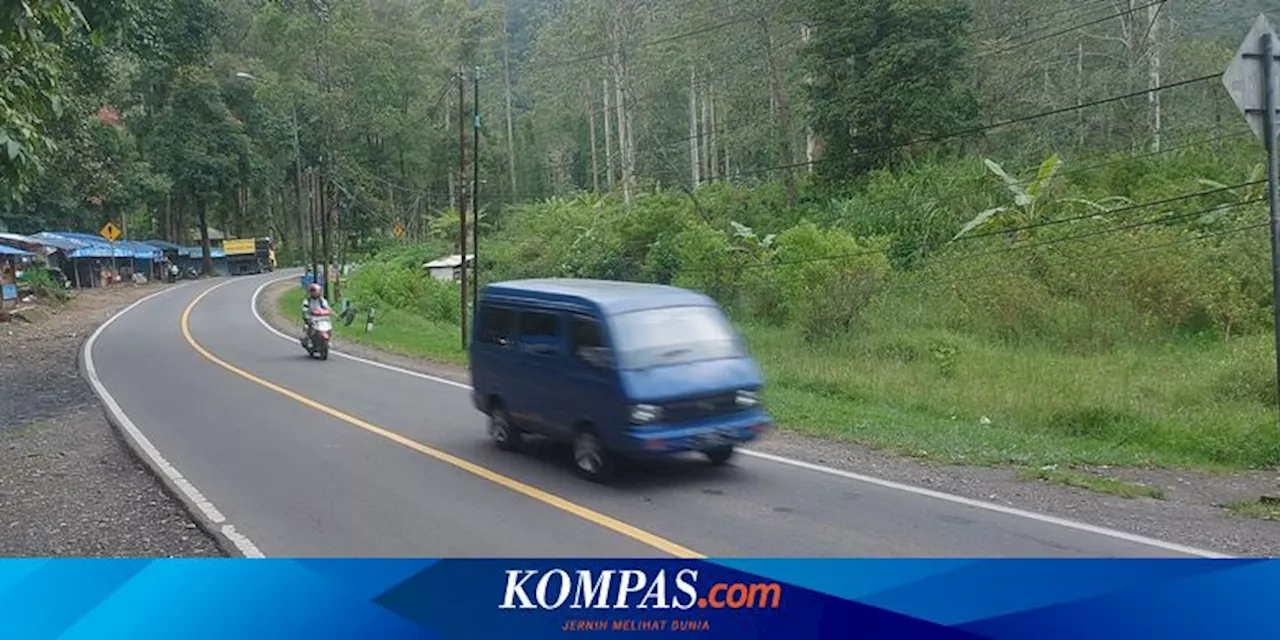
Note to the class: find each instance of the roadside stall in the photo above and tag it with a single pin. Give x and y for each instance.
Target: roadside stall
(12, 262)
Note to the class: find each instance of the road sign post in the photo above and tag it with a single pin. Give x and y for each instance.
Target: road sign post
(112, 233)
(1251, 80)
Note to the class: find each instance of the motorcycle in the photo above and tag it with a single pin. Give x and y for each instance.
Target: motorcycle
(318, 335)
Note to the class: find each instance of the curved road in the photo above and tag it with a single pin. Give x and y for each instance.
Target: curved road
(294, 457)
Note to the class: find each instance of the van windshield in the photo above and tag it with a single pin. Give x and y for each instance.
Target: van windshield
(673, 335)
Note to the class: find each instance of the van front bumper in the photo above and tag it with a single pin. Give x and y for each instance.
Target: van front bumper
(661, 440)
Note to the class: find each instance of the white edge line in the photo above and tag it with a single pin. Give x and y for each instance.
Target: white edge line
(880, 482)
(143, 444)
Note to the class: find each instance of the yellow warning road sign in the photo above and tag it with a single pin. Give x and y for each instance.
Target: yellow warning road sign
(397, 230)
(110, 231)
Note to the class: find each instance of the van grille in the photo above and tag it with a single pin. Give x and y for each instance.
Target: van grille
(701, 408)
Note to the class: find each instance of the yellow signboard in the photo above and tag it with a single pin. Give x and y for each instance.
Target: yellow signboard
(110, 231)
(239, 246)
(397, 230)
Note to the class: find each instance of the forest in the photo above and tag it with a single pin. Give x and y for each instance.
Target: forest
(1005, 231)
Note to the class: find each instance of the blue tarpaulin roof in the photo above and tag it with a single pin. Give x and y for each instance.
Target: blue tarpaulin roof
(10, 251)
(83, 245)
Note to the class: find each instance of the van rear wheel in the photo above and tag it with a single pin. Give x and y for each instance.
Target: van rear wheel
(504, 435)
(719, 455)
(591, 460)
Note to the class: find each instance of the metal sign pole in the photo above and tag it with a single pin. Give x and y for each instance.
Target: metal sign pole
(1253, 89)
(1273, 178)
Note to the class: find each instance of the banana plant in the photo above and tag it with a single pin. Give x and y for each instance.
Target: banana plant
(1027, 201)
(1253, 192)
(748, 237)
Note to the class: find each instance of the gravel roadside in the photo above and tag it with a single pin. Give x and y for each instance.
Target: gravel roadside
(1190, 513)
(68, 485)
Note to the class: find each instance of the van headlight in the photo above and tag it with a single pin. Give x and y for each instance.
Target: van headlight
(747, 399)
(645, 413)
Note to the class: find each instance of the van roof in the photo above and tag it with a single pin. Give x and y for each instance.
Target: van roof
(610, 296)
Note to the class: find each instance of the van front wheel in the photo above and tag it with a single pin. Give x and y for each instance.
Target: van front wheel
(504, 435)
(590, 458)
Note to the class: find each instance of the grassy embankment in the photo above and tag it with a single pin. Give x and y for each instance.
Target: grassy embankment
(1071, 345)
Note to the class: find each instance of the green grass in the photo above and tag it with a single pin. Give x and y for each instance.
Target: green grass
(957, 399)
(395, 331)
(1255, 509)
(1092, 482)
(952, 398)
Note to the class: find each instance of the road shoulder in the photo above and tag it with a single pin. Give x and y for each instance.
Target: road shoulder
(69, 486)
(1189, 510)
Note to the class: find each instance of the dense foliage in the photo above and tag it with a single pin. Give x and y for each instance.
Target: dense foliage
(987, 199)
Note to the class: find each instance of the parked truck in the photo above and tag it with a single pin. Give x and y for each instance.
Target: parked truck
(249, 256)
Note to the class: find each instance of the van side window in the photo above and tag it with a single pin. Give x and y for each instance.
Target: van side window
(496, 325)
(586, 341)
(540, 329)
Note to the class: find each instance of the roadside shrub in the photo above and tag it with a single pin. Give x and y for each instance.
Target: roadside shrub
(43, 285)
(706, 262)
(827, 277)
(1248, 381)
(389, 285)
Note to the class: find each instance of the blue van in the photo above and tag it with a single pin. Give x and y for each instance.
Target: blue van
(615, 369)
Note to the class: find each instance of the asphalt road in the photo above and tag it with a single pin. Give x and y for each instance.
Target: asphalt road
(343, 458)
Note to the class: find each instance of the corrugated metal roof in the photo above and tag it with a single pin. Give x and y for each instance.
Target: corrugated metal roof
(6, 250)
(57, 241)
(166, 246)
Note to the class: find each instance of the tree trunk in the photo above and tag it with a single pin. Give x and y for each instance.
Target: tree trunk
(713, 166)
(595, 152)
(695, 163)
(608, 135)
(784, 114)
(626, 141)
(624, 127)
(506, 79)
(811, 139)
(206, 260)
(1081, 124)
(704, 138)
(1153, 62)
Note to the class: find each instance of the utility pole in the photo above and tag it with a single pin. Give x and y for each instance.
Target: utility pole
(327, 258)
(462, 201)
(1251, 81)
(311, 225)
(302, 202)
(475, 191)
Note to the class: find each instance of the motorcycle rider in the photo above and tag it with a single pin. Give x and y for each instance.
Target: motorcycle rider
(313, 302)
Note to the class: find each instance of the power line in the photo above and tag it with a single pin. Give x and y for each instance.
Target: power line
(970, 255)
(1111, 212)
(1055, 34)
(1073, 8)
(996, 125)
(1003, 271)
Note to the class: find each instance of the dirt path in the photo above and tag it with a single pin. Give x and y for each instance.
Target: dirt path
(68, 485)
(1189, 512)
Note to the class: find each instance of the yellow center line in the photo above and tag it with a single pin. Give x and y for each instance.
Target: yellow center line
(530, 491)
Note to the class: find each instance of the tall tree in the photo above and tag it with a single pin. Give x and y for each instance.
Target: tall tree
(202, 146)
(886, 72)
